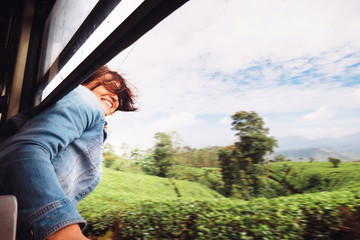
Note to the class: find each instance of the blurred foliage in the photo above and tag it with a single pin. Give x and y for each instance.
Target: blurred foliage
(334, 161)
(253, 142)
(209, 177)
(318, 201)
(202, 157)
(280, 158)
(330, 215)
(228, 164)
(163, 154)
(242, 164)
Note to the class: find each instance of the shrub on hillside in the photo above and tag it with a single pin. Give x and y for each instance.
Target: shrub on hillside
(334, 161)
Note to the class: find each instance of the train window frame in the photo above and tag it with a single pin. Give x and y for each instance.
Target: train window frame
(142, 19)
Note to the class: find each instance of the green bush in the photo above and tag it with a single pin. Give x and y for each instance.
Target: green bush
(135, 206)
(309, 216)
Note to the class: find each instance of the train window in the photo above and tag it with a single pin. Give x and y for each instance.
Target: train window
(64, 19)
(62, 42)
(99, 26)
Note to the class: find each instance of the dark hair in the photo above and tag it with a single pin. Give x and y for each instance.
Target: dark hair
(124, 93)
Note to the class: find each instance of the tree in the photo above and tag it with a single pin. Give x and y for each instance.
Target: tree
(163, 154)
(185, 157)
(311, 159)
(137, 155)
(124, 149)
(148, 165)
(227, 164)
(243, 167)
(253, 141)
(280, 158)
(334, 161)
(108, 148)
(111, 159)
(109, 156)
(203, 157)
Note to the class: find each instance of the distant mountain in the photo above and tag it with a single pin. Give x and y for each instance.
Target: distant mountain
(319, 154)
(349, 144)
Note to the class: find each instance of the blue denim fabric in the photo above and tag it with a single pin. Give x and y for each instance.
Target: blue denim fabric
(53, 162)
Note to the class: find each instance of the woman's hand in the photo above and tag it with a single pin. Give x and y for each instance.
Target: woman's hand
(72, 232)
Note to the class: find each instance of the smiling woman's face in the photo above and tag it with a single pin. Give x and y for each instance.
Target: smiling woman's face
(109, 100)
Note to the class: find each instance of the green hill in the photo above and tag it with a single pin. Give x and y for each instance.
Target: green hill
(304, 177)
(118, 190)
(116, 186)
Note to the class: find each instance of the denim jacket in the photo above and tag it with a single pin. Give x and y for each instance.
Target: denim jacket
(53, 162)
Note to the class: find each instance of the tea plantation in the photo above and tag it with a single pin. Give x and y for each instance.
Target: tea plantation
(135, 206)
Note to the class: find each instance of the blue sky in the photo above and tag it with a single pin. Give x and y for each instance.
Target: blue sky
(296, 63)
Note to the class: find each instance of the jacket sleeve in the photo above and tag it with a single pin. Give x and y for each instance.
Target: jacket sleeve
(25, 163)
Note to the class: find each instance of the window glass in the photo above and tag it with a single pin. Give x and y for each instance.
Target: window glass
(114, 19)
(65, 18)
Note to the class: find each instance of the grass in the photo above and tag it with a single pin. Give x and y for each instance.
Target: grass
(118, 186)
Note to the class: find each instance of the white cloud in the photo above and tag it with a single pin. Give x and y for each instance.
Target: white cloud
(228, 35)
(273, 57)
(175, 122)
(321, 113)
(316, 133)
(225, 121)
(266, 120)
